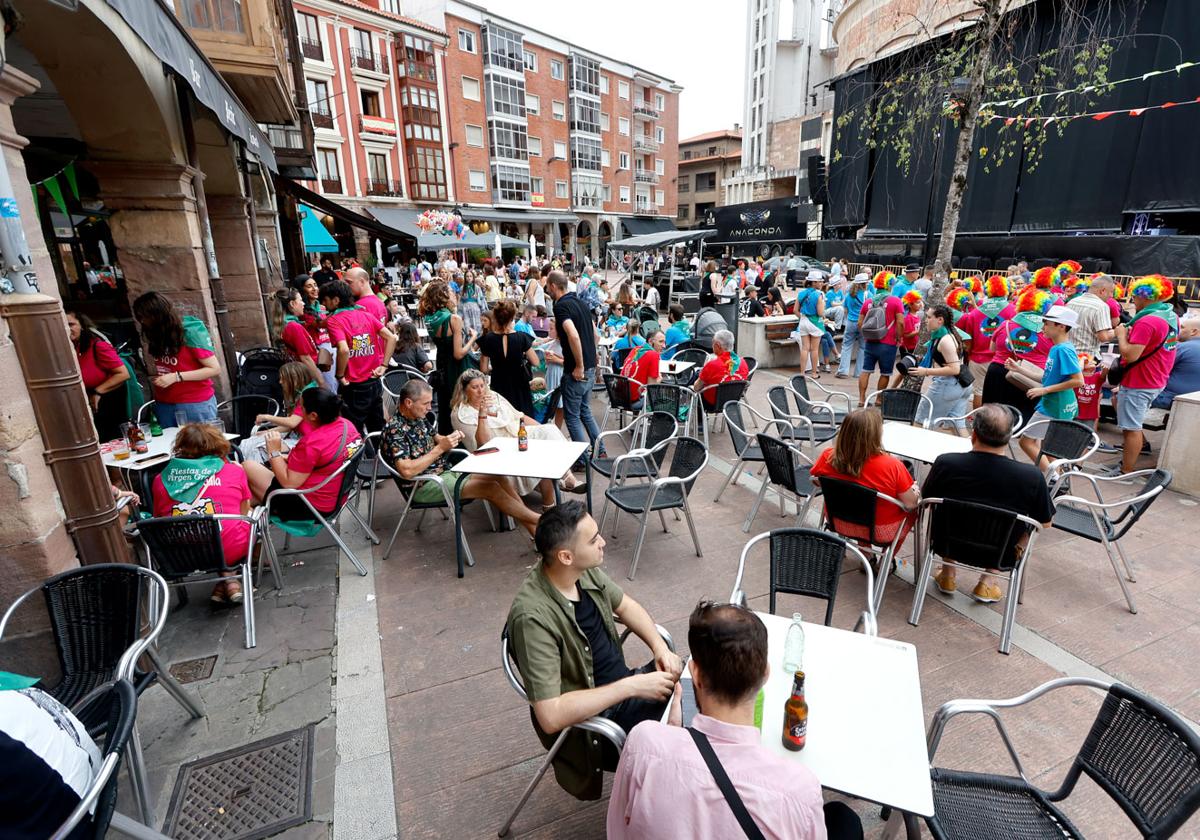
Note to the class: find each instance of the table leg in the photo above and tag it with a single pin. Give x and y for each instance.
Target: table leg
(557, 494)
(587, 476)
(901, 819)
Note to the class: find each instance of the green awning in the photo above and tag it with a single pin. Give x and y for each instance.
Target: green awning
(316, 237)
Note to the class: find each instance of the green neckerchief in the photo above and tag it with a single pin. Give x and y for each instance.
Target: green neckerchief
(1163, 310)
(183, 477)
(344, 309)
(735, 362)
(992, 307)
(290, 319)
(938, 334)
(16, 682)
(435, 321)
(195, 334)
(638, 352)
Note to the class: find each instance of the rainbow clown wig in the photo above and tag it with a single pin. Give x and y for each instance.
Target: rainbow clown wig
(960, 300)
(1066, 268)
(1044, 278)
(974, 284)
(912, 297)
(883, 281)
(1152, 287)
(997, 287)
(1035, 301)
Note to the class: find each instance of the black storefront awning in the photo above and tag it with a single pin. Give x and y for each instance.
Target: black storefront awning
(167, 38)
(320, 202)
(636, 226)
(758, 222)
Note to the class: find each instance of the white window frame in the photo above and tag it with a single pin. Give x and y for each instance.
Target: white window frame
(660, 134)
(660, 197)
(478, 89)
(605, 157)
(558, 110)
(469, 128)
(560, 149)
(605, 122)
(467, 37)
(561, 73)
(660, 166)
(530, 66)
(622, 89)
(624, 195)
(533, 103)
(608, 192)
(537, 185)
(660, 102)
(561, 190)
(603, 83)
(482, 184)
(622, 160)
(535, 147)
(623, 126)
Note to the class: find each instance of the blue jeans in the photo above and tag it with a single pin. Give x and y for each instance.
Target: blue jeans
(949, 399)
(198, 412)
(828, 348)
(577, 406)
(851, 340)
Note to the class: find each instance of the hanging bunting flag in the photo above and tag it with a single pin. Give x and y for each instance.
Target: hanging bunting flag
(1010, 121)
(1088, 88)
(72, 182)
(52, 186)
(1184, 66)
(1137, 112)
(1030, 122)
(1103, 115)
(1167, 105)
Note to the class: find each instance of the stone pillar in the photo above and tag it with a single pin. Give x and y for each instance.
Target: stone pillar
(229, 216)
(156, 228)
(362, 246)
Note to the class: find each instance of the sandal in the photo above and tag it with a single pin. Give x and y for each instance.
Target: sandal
(233, 590)
(220, 593)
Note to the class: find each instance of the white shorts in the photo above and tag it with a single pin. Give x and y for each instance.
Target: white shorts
(806, 328)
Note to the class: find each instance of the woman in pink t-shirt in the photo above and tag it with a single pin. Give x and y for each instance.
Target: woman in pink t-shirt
(104, 376)
(199, 481)
(182, 358)
(288, 327)
(1019, 339)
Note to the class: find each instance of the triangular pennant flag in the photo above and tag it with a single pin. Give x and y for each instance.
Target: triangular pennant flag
(1146, 76)
(72, 182)
(1184, 66)
(1010, 121)
(1103, 115)
(1167, 105)
(1137, 112)
(1029, 122)
(52, 186)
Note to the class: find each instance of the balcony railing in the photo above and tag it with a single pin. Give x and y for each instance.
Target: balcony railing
(645, 110)
(310, 48)
(647, 210)
(645, 176)
(331, 185)
(642, 143)
(392, 189)
(368, 60)
(585, 201)
(321, 117)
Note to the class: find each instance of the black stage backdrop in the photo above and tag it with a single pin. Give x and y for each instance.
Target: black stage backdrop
(849, 162)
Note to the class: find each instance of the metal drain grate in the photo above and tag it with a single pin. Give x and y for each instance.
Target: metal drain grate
(244, 793)
(192, 670)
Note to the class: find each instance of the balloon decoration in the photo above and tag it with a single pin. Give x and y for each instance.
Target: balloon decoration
(441, 223)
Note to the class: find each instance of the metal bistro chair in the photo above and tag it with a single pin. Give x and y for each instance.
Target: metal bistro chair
(723, 394)
(597, 724)
(620, 397)
(958, 424)
(645, 433)
(100, 632)
(397, 378)
(796, 427)
(751, 366)
(348, 483)
(742, 435)
(187, 549)
(902, 406)
(808, 562)
(967, 530)
(663, 492)
(789, 471)
(676, 400)
(823, 415)
(802, 384)
(1091, 519)
(697, 357)
(238, 413)
(850, 511)
(1067, 444)
(1138, 751)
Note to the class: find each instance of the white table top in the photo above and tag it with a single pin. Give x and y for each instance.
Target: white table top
(158, 452)
(924, 445)
(544, 459)
(675, 368)
(866, 725)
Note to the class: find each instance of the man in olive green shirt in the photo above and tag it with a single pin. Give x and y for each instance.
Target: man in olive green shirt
(563, 637)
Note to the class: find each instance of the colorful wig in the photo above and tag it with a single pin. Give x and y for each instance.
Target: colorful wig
(974, 283)
(960, 299)
(997, 287)
(883, 281)
(1044, 278)
(1153, 287)
(1036, 301)
(912, 296)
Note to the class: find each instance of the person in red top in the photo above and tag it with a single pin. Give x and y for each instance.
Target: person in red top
(913, 302)
(1019, 339)
(981, 324)
(642, 363)
(182, 358)
(364, 344)
(857, 455)
(725, 366)
(296, 340)
(104, 376)
(198, 480)
(360, 286)
(320, 452)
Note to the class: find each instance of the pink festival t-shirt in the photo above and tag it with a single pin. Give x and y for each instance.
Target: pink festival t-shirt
(187, 391)
(223, 495)
(298, 342)
(893, 307)
(1153, 372)
(374, 306)
(316, 453)
(360, 330)
(98, 363)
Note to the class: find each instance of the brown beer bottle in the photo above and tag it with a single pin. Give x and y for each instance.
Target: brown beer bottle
(795, 716)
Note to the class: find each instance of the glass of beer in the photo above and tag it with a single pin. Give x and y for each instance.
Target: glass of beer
(120, 450)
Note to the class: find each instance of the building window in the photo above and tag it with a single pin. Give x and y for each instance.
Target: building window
(682, 213)
(506, 96)
(537, 186)
(660, 102)
(556, 69)
(605, 125)
(706, 181)
(426, 172)
(585, 115)
(418, 59)
(712, 150)
(624, 195)
(558, 109)
(585, 75)
(531, 66)
(392, 6)
(420, 108)
(533, 104)
(607, 192)
(660, 134)
(605, 158)
(318, 99)
(466, 40)
(622, 160)
(535, 148)
(478, 180)
(560, 149)
(470, 88)
(309, 34)
(475, 135)
(509, 140)
(660, 166)
(377, 169)
(222, 15)
(623, 89)
(585, 154)
(560, 189)
(510, 183)
(362, 41)
(503, 48)
(660, 197)
(327, 168)
(623, 126)
(685, 185)
(586, 191)
(370, 103)
(604, 84)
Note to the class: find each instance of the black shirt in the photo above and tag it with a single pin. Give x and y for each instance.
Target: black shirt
(570, 308)
(608, 664)
(992, 480)
(753, 308)
(324, 276)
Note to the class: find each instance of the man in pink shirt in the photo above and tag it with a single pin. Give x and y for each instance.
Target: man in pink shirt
(360, 287)
(664, 787)
(364, 345)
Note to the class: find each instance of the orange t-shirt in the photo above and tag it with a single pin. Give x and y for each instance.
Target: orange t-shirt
(882, 473)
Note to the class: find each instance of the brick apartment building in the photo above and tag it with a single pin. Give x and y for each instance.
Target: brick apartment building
(452, 106)
(705, 162)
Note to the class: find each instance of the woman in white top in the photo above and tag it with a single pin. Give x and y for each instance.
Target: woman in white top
(472, 400)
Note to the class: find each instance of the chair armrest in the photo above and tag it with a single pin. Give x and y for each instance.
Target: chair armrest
(1088, 503)
(825, 407)
(662, 632)
(603, 726)
(107, 768)
(831, 395)
(620, 461)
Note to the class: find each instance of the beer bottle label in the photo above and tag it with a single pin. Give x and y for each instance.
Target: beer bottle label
(798, 731)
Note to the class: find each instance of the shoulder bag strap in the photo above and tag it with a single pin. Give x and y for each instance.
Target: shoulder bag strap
(341, 445)
(727, 789)
(1128, 367)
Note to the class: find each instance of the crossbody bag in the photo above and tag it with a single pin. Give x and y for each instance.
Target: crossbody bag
(1117, 372)
(749, 827)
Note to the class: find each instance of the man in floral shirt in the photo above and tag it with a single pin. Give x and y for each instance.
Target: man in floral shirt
(411, 444)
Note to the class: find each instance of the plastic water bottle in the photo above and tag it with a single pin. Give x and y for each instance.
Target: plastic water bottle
(793, 648)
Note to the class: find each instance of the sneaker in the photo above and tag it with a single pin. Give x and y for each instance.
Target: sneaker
(840, 375)
(1110, 471)
(987, 593)
(1107, 448)
(220, 593)
(233, 591)
(945, 582)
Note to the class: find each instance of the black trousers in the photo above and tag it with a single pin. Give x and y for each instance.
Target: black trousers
(629, 713)
(363, 403)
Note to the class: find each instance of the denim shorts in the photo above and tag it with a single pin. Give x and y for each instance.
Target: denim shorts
(1132, 405)
(883, 354)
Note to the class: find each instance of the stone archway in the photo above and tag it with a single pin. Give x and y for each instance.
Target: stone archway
(603, 237)
(583, 241)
